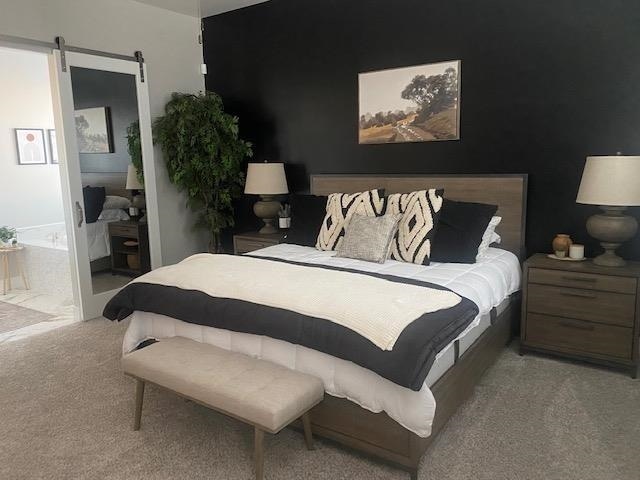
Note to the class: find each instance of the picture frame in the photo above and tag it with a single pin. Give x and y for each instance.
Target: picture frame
(94, 130)
(30, 145)
(53, 147)
(419, 103)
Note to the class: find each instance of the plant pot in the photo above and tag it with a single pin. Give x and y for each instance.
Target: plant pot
(284, 222)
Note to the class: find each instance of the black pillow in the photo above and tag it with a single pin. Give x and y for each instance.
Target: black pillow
(307, 215)
(460, 229)
(93, 202)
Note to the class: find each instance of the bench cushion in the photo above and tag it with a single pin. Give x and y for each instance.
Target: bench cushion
(255, 391)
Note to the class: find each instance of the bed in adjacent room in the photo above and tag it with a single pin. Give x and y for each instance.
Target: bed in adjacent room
(376, 410)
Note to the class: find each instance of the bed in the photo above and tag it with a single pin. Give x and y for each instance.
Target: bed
(364, 410)
(98, 232)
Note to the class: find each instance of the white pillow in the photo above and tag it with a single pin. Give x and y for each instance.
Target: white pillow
(113, 214)
(489, 236)
(112, 202)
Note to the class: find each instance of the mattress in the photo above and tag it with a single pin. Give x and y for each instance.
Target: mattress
(487, 283)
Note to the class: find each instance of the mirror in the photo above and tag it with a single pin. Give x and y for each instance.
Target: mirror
(108, 134)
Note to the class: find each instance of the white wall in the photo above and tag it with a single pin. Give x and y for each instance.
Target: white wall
(29, 194)
(168, 41)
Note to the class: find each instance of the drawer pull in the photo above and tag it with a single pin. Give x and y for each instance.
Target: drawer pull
(580, 295)
(580, 279)
(575, 326)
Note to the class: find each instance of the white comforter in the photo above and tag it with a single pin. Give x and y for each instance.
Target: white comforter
(487, 283)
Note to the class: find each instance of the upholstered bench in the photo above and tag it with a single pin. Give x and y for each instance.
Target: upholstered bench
(257, 392)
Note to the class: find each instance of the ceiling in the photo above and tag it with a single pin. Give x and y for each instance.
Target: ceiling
(208, 7)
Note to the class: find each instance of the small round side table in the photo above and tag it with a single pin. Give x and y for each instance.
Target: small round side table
(5, 254)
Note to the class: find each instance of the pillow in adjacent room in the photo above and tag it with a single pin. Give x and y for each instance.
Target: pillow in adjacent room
(93, 202)
(340, 208)
(420, 211)
(113, 214)
(114, 201)
(307, 213)
(490, 236)
(369, 238)
(460, 231)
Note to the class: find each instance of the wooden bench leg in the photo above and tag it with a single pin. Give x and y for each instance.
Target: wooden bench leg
(259, 453)
(308, 435)
(139, 398)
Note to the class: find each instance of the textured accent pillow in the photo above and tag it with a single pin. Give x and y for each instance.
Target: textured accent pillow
(420, 211)
(340, 208)
(490, 236)
(307, 212)
(460, 230)
(369, 238)
(113, 214)
(93, 201)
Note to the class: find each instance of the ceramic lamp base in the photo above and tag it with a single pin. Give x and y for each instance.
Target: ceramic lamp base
(612, 228)
(267, 210)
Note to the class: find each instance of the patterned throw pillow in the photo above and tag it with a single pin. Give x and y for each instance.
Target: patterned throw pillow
(369, 238)
(420, 211)
(340, 208)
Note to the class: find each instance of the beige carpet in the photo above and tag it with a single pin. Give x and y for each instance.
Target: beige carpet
(65, 413)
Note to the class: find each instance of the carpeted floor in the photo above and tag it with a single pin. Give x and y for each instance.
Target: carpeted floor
(66, 411)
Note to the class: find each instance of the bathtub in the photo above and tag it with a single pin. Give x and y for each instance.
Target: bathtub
(52, 235)
(46, 260)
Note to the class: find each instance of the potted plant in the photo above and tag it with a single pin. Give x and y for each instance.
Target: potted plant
(8, 236)
(204, 157)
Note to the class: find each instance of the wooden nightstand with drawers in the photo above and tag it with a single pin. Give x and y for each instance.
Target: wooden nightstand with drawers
(582, 311)
(248, 242)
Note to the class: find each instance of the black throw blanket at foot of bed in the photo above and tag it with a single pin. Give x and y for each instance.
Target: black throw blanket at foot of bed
(407, 364)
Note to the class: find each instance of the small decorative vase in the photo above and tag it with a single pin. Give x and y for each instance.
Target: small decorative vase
(561, 245)
(284, 222)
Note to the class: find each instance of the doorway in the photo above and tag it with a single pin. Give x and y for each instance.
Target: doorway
(99, 139)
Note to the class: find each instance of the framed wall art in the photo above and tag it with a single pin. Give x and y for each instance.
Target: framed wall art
(31, 148)
(410, 104)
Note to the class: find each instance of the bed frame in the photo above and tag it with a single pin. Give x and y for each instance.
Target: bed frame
(376, 434)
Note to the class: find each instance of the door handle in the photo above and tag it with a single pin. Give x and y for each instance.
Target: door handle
(79, 214)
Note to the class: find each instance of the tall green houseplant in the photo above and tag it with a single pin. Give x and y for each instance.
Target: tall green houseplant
(204, 157)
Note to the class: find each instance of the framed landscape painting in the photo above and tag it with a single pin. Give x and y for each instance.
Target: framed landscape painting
(410, 104)
(31, 149)
(93, 129)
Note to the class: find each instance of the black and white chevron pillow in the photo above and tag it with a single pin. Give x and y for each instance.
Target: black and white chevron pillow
(340, 208)
(420, 212)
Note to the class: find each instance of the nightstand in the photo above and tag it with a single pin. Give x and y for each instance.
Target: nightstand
(582, 311)
(127, 259)
(248, 242)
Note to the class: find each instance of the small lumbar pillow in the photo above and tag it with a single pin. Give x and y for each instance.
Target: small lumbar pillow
(460, 231)
(112, 202)
(369, 238)
(420, 211)
(490, 236)
(339, 210)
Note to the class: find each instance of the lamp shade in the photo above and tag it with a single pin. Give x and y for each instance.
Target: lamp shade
(266, 179)
(611, 181)
(133, 183)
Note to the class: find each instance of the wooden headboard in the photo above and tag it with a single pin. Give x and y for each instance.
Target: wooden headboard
(113, 183)
(509, 192)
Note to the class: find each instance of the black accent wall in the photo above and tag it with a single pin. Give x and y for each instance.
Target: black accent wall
(98, 88)
(544, 84)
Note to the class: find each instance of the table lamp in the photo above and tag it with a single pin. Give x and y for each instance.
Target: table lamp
(612, 183)
(266, 180)
(133, 183)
